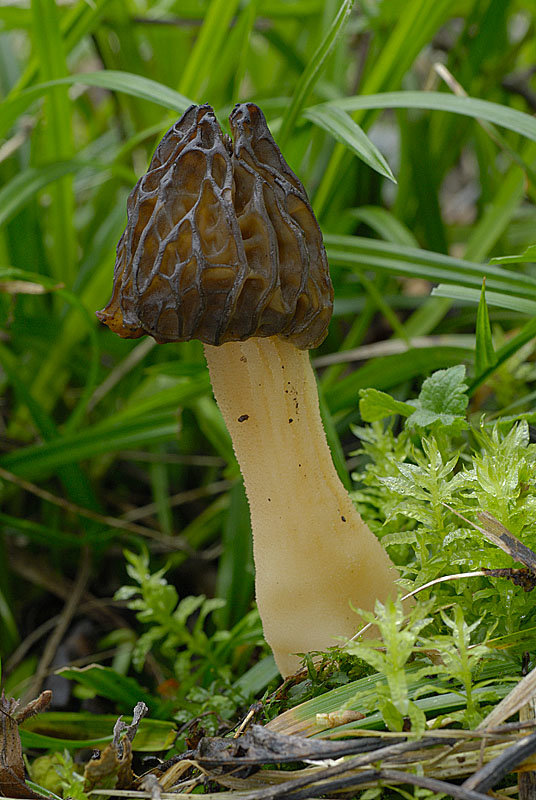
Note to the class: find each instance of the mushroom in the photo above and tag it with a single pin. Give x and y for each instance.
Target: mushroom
(222, 245)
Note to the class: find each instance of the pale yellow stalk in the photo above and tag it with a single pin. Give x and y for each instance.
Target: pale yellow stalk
(314, 555)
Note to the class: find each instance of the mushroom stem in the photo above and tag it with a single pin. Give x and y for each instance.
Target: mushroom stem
(314, 555)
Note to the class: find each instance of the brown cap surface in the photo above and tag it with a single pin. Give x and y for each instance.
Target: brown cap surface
(221, 243)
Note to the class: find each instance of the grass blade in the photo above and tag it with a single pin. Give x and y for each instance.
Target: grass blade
(76, 23)
(415, 27)
(57, 136)
(527, 257)
(41, 534)
(342, 127)
(504, 116)
(360, 253)
(8, 626)
(235, 570)
(114, 80)
(467, 295)
(527, 332)
(42, 420)
(385, 224)
(484, 352)
(61, 729)
(207, 47)
(39, 461)
(20, 189)
(312, 72)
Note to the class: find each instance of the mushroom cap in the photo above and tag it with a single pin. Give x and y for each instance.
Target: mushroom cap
(221, 243)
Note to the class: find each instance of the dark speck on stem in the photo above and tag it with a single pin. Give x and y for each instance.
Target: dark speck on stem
(243, 418)
(343, 518)
(290, 420)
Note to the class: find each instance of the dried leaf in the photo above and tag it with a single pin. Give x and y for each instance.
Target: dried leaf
(520, 577)
(261, 746)
(34, 707)
(489, 775)
(111, 768)
(335, 718)
(521, 694)
(149, 783)
(26, 287)
(129, 731)
(12, 780)
(501, 536)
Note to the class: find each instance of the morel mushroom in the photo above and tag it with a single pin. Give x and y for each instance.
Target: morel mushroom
(222, 245)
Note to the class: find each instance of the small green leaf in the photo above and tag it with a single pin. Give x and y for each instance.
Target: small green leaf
(342, 127)
(375, 405)
(442, 398)
(417, 718)
(484, 353)
(401, 537)
(528, 256)
(389, 371)
(391, 715)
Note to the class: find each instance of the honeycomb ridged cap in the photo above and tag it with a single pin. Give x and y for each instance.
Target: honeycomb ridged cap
(221, 243)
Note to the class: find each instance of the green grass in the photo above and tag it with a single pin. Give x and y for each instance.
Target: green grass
(415, 187)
